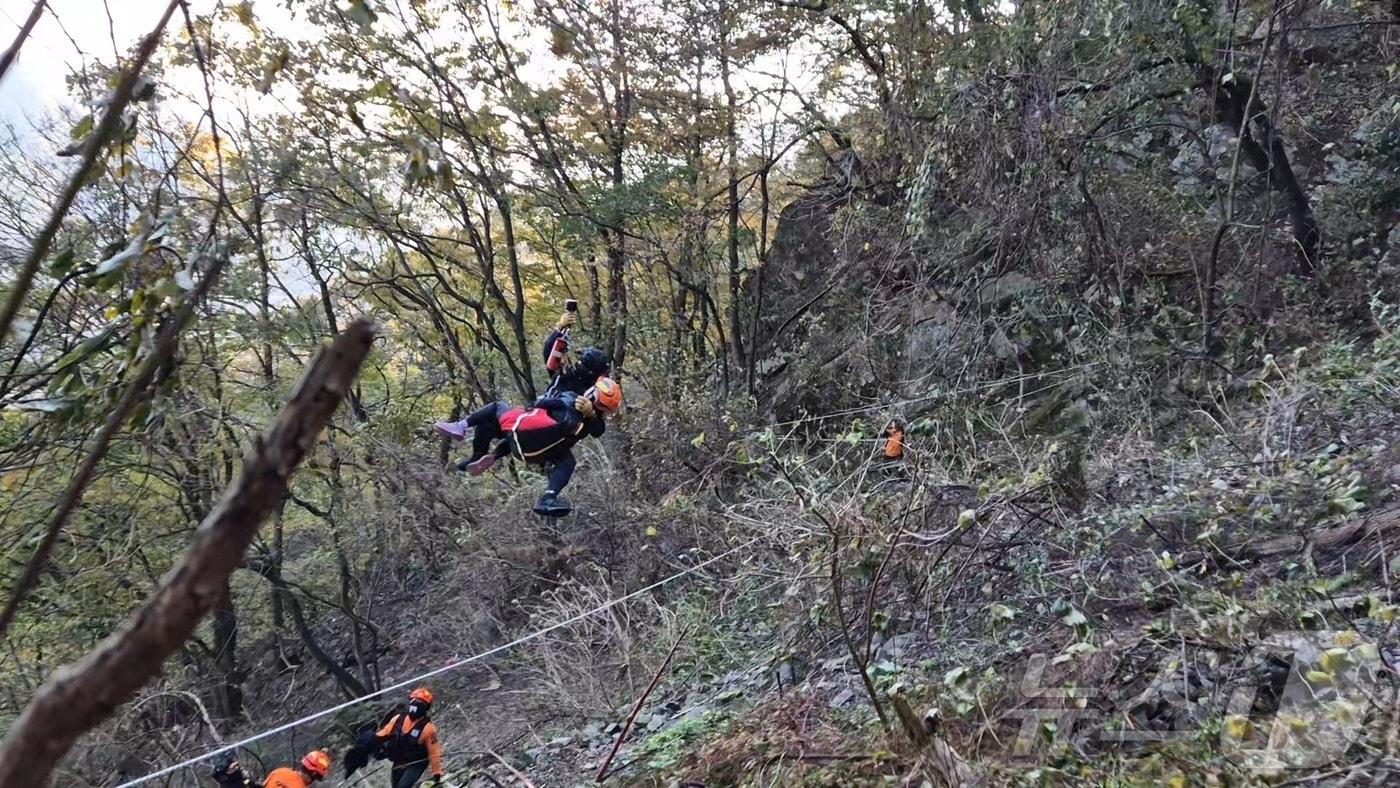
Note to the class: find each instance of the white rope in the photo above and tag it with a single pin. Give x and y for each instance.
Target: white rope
(581, 616)
(444, 669)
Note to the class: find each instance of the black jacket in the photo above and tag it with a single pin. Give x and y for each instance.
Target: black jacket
(573, 377)
(569, 427)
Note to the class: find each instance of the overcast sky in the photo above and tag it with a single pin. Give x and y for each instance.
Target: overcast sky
(35, 84)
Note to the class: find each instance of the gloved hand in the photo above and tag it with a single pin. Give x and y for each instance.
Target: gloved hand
(566, 320)
(584, 405)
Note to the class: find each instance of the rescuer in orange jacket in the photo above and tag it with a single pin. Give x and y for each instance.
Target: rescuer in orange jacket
(410, 742)
(315, 766)
(894, 440)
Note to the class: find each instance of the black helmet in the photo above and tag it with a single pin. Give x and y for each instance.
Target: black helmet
(594, 360)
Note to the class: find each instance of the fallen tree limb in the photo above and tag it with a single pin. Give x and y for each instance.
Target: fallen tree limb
(11, 54)
(1334, 538)
(80, 696)
(637, 706)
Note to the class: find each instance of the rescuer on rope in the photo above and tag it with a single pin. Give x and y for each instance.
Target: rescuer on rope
(543, 433)
(575, 377)
(574, 406)
(578, 378)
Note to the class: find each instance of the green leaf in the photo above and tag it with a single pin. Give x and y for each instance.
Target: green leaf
(82, 129)
(86, 347)
(62, 263)
(244, 12)
(1074, 650)
(272, 68)
(362, 14)
(561, 39)
(1074, 618)
(1334, 660)
(140, 415)
(1000, 612)
(118, 262)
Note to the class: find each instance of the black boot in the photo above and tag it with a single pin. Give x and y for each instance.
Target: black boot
(552, 505)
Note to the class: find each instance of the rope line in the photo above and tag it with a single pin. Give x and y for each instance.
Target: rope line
(438, 671)
(588, 613)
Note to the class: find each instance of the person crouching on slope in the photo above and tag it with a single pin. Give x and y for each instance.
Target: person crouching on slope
(410, 742)
(543, 433)
(315, 766)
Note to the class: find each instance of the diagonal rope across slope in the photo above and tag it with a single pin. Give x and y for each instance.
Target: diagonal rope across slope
(438, 671)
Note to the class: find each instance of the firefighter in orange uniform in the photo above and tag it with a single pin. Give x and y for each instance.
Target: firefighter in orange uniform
(315, 766)
(894, 441)
(410, 742)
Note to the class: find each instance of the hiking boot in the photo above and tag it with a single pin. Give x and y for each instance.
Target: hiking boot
(452, 430)
(480, 466)
(552, 505)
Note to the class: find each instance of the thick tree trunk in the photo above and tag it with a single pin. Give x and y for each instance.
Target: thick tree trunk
(1263, 147)
(736, 331)
(617, 297)
(80, 696)
(617, 144)
(279, 614)
(595, 296)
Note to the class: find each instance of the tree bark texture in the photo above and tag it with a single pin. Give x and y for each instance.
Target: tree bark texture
(82, 695)
(1263, 148)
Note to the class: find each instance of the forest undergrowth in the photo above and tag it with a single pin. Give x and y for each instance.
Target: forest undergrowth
(1125, 276)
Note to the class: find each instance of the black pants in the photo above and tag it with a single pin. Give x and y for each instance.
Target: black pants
(486, 429)
(406, 776)
(563, 470)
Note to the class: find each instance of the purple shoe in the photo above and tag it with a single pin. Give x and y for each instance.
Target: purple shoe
(480, 466)
(452, 430)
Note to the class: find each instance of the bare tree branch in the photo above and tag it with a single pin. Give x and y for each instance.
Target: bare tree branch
(81, 696)
(7, 59)
(96, 143)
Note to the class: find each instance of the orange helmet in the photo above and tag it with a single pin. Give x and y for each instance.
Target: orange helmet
(422, 694)
(316, 763)
(606, 395)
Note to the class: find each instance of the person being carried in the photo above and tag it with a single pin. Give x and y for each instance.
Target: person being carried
(314, 766)
(544, 433)
(577, 377)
